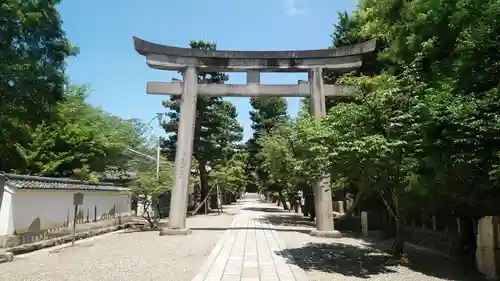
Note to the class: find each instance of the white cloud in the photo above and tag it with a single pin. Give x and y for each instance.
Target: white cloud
(292, 9)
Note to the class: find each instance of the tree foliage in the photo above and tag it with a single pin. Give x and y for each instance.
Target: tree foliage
(148, 187)
(32, 52)
(79, 138)
(423, 133)
(265, 115)
(217, 132)
(230, 175)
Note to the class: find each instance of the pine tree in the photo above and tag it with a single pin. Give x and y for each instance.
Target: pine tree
(216, 129)
(266, 114)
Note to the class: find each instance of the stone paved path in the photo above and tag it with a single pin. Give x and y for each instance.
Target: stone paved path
(250, 250)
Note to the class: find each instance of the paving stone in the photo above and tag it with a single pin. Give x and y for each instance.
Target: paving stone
(267, 269)
(266, 263)
(252, 251)
(270, 279)
(232, 270)
(250, 264)
(250, 272)
(231, 277)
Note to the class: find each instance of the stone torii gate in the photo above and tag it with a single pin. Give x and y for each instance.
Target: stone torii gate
(190, 61)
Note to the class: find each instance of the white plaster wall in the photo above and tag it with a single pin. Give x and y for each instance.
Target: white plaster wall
(6, 217)
(52, 206)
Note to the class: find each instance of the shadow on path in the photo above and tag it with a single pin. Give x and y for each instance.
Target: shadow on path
(359, 257)
(247, 228)
(263, 209)
(305, 231)
(366, 261)
(342, 259)
(288, 219)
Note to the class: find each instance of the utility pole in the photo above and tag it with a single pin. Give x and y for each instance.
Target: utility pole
(158, 159)
(159, 116)
(158, 150)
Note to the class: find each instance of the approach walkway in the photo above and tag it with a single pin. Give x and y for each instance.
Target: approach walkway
(238, 244)
(250, 250)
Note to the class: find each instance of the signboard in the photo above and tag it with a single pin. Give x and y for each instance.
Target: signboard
(78, 198)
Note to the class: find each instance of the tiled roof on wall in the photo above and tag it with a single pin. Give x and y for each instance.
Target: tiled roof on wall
(34, 182)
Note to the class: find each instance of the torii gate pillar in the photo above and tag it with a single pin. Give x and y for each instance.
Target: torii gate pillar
(183, 153)
(322, 192)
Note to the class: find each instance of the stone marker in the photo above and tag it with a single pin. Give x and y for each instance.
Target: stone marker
(488, 247)
(341, 207)
(364, 223)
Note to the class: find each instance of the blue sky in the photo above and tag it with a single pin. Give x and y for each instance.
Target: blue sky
(117, 75)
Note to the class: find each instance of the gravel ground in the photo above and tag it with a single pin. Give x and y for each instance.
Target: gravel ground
(123, 256)
(351, 258)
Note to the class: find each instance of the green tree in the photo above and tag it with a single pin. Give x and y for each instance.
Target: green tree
(81, 139)
(265, 115)
(230, 175)
(216, 129)
(147, 188)
(32, 54)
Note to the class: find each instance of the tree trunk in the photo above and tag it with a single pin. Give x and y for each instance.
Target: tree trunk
(290, 201)
(357, 199)
(392, 205)
(203, 203)
(283, 200)
(398, 246)
(295, 205)
(350, 211)
(133, 204)
(204, 188)
(303, 204)
(159, 208)
(309, 206)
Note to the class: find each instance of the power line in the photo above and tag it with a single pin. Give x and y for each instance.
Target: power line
(148, 157)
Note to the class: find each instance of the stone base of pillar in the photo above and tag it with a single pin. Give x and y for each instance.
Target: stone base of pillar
(175, 231)
(325, 233)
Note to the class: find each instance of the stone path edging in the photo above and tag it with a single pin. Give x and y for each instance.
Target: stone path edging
(213, 255)
(296, 270)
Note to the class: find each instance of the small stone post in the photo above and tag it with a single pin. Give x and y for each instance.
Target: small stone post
(364, 223)
(488, 248)
(341, 207)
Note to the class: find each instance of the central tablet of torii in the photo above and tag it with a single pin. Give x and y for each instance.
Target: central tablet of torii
(190, 61)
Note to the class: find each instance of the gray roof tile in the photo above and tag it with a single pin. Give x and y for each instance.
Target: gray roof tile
(34, 182)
